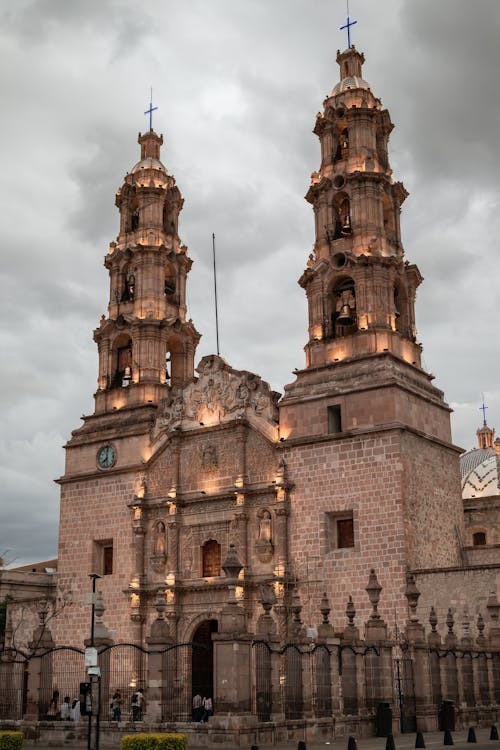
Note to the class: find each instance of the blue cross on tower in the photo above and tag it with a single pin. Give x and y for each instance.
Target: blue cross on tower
(348, 27)
(150, 111)
(483, 408)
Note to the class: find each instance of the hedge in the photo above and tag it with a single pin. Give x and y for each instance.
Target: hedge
(160, 741)
(11, 740)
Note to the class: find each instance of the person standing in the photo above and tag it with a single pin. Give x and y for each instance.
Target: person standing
(197, 707)
(66, 709)
(116, 706)
(138, 705)
(208, 709)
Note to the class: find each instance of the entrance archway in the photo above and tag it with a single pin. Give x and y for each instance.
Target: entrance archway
(203, 659)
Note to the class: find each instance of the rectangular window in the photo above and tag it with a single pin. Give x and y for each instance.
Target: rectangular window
(107, 560)
(103, 557)
(334, 420)
(339, 528)
(345, 532)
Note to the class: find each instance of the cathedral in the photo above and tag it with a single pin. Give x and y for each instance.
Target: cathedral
(352, 468)
(213, 505)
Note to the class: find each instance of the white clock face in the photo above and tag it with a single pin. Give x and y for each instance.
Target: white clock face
(106, 457)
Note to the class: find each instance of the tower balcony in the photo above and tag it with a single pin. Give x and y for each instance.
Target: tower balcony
(330, 351)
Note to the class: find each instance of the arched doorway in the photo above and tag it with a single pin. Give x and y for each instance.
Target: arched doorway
(203, 659)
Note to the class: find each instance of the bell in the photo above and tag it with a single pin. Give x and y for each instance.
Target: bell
(345, 317)
(346, 226)
(127, 373)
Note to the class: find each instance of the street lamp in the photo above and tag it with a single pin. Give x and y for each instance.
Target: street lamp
(94, 577)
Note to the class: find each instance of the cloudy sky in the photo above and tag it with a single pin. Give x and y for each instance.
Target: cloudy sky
(238, 84)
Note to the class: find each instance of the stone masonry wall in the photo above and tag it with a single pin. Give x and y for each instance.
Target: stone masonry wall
(91, 511)
(363, 475)
(433, 502)
(457, 588)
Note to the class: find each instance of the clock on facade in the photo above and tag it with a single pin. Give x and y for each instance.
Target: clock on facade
(106, 457)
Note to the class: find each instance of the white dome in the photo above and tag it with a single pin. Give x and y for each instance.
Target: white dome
(148, 163)
(351, 82)
(480, 470)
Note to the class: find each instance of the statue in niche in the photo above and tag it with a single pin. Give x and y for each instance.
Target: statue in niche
(159, 547)
(264, 544)
(265, 527)
(159, 539)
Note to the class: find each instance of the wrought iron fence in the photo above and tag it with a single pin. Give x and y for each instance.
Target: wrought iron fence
(13, 685)
(62, 669)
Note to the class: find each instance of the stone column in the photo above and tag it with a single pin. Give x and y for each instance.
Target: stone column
(39, 681)
(137, 579)
(161, 680)
(426, 717)
(376, 636)
(232, 652)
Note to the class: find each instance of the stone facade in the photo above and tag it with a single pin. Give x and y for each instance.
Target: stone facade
(215, 511)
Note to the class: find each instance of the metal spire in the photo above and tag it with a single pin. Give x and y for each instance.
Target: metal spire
(347, 26)
(150, 110)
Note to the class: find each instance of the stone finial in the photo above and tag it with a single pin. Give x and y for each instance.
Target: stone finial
(160, 628)
(160, 604)
(374, 588)
(412, 595)
(231, 565)
(450, 622)
(433, 620)
(350, 612)
(325, 609)
(433, 639)
(450, 638)
(43, 611)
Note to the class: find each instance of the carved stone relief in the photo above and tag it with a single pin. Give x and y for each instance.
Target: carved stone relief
(220, 394)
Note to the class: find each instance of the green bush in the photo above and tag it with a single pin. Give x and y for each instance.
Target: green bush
(160, 741)
(11, 740)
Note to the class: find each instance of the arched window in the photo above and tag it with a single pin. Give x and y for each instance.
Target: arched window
(343, 309)
(211, 559)
(128, 286)
(342, 217)
(479, 539)
(123, 361)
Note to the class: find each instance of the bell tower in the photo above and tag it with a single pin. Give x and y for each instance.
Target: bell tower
(360, 289)
(145, 343)
(365, 433)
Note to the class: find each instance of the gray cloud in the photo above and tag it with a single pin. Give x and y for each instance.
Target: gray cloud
(238, 86)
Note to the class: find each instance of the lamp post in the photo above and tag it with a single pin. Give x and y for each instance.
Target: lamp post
(94, 577)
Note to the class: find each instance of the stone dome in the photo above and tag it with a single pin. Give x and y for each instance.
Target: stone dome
(351, 82)
(148, 163)
(480, 469)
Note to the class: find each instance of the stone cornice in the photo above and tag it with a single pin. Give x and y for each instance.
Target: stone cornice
(356, 433)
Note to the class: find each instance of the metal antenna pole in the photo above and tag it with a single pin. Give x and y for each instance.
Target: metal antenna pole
(215, 295)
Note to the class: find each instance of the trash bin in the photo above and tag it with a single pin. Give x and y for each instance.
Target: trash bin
(384, 719)
(447, 716)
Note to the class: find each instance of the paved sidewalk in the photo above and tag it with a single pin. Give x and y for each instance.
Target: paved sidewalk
(432, 740)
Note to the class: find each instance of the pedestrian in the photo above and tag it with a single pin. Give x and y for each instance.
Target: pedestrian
(75, 714)
(116, 706)
(197, 707)
(53, 713)
(138, 705)
(208, 709)
(66, 709)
